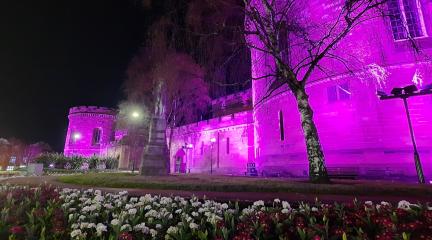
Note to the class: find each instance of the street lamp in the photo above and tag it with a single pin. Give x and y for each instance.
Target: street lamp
(135, 117)
(212, 141)
(404, 94)
(188, 146)
(76, 136)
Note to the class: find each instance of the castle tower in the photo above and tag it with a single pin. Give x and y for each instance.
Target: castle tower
(90, 130)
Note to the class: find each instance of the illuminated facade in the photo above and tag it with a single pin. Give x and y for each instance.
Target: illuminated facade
(90, 130)
(360, 134)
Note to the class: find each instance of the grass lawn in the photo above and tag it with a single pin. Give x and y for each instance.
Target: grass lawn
(245, 184)
(9, 173)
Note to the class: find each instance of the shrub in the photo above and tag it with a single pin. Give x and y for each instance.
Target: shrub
(75, 162)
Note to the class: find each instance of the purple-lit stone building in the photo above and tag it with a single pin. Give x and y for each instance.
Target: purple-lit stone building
(90, 131)
(359, 133)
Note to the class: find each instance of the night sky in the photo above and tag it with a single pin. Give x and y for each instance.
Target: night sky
(55, 54)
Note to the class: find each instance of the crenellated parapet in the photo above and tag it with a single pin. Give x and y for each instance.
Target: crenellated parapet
(90, 129)
(92, 111)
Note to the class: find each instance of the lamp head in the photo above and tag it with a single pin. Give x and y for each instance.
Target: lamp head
(76, 136)
(397, 91)
(410, 89)
(426, 88)
(381, 93)
(212, 140)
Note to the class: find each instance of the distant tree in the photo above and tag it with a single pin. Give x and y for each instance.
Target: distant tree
(298, 42)
(34, 150)
(5, 153)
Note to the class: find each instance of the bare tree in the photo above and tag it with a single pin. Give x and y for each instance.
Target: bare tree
(185, 94)
(298, 42)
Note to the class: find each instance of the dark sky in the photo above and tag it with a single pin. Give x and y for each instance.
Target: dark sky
(55, 54)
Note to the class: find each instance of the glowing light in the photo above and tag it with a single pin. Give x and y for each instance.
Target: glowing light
(190, 146)
(212, 140)
(135, 114)
(76, 136)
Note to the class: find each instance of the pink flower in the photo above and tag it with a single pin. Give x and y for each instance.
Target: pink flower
(16, 230)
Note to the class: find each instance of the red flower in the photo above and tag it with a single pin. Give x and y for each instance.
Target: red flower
(125, 236)
(16, 230)
(316, 237)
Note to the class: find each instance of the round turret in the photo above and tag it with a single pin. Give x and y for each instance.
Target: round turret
(90, 129)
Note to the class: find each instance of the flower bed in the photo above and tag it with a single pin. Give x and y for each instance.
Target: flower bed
(48, 213)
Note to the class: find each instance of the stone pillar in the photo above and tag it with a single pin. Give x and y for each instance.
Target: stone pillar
(155, 160)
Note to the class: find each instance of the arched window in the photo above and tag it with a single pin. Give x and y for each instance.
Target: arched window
(281, 126)
(96, 136)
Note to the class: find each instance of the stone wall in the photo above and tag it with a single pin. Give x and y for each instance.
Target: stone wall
(231, 150)
(358, 131)
(84, 122)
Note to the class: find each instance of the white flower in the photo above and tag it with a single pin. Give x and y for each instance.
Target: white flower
(91, 225)
(148, 207)
(82, 217)
(285, 211)
(132, 211)
(277, 200)
(77, 234)
(404, 205)
(141, 228)
(193, 225)
(314, 209)
(385, 203)
(158, 226)
(108, 206)
(153, 232)
(115, 222)
(123, 193)
(126, 227)
(369, 203)
(99, 198)
(133, 199)
(195, 214)
(172, 230)
(286, 205)
(128, 206)
(224, 206)
(100, 228)
(259, 203)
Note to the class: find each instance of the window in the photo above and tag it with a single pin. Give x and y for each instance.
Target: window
(406, 19)
(281, 126)
(340, 92)
(227, 146)
(96, 136)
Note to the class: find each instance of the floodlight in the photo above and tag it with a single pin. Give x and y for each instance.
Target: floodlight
(426, 88)
(410, 89)
(76, 136)
(397, 91)
(381, 93)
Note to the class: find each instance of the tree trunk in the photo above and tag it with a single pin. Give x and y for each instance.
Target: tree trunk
(317, 168)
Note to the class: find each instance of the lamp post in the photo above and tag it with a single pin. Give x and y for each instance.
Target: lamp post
(212, 141)
(134, 117)
(404, 94)
(188, 147)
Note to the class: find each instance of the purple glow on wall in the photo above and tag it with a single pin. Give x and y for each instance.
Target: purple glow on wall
(81, 139)
(358, 133)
